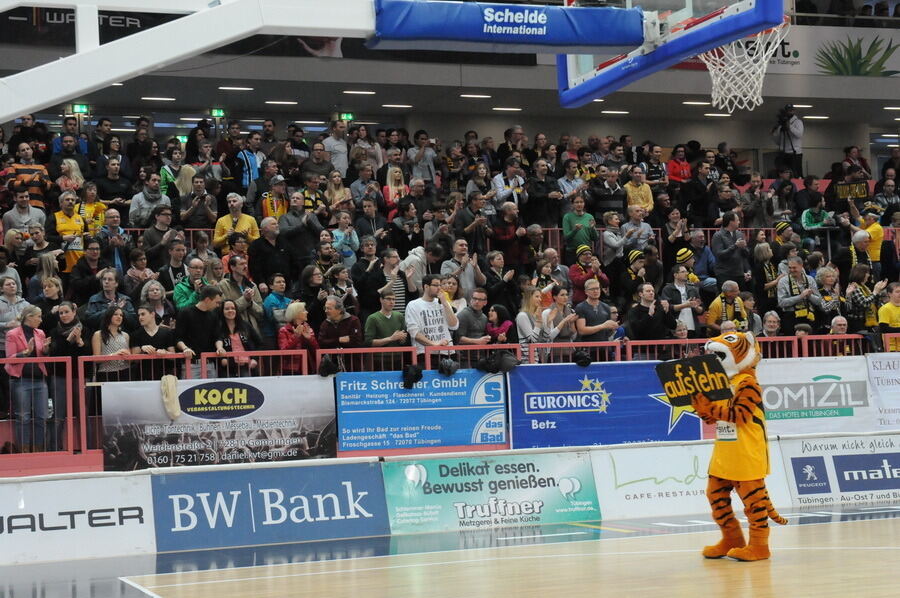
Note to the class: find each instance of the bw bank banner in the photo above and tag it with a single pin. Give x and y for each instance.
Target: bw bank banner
(502, 27)
(462, 412)
(436, 495)
(604, 403)
(268, 505)
(227, 420)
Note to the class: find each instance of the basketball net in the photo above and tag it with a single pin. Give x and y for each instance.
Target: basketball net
(737, 69)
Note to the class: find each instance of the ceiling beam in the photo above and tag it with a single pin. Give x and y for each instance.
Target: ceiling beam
(201, 31)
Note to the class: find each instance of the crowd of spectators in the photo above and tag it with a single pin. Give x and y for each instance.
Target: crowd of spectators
(269, 240)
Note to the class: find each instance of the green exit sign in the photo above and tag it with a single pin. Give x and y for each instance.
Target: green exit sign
(79, 108)
(182, 138)
(216, 112)
(347, 116)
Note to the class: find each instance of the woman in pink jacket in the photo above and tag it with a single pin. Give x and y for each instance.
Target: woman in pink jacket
(28, 381)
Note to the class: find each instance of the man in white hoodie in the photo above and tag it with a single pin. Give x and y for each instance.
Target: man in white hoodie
(423, 260)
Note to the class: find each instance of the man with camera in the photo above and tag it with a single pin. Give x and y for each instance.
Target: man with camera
(788, 134)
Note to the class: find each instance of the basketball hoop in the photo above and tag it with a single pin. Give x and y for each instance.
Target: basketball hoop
(737, 69)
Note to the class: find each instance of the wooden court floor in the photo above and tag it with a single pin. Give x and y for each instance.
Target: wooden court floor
(842, 559)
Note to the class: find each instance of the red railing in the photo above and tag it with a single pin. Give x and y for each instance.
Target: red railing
(833, 345)
(565, 352)
(663, 349)
(891, 341)
(41, 416)
(93, 371)
(466, 355)
(369, 359)
(240, 364)
(776, 347)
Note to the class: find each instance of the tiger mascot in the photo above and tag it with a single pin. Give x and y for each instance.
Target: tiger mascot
(740, 458)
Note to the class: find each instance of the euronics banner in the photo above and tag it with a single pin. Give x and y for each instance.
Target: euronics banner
(604, 403)
(376, 415)
(66, 518)
(503, 27)
(228, 420)
(884, 387)
(843, 470)
(267, 505)
(432, 495)
(817, 394)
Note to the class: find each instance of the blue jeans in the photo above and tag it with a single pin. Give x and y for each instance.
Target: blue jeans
(31, 401)
(59, 393)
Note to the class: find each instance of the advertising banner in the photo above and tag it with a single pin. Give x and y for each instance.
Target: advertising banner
(816, 394)
(434, 495)
(503, 27)
(843, 470)
(660, 481)
(884, 388)
(463, 412)
(70, 518)
(228, 420)
(604, 403)
(267, 505)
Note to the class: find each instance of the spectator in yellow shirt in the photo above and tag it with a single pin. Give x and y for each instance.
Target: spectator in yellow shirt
(638, 191)
(235, 221)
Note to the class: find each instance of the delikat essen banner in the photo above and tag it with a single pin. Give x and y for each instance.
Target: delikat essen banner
(229, 420)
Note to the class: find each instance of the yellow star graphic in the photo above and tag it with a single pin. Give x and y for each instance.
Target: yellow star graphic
(586, 383)
(675, 411)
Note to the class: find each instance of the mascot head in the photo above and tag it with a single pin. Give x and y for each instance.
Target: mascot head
(738, 351)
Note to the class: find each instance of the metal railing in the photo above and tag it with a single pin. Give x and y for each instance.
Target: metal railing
(369, 359)
(565, 352)
(41, 416)
(242, 364)
(467, 356)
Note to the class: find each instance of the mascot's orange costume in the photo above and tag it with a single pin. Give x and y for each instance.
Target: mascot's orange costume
(740, 459)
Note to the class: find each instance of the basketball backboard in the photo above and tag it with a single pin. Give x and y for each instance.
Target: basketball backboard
(674, 30)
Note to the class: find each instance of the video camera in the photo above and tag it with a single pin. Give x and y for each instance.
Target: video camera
(785, 114)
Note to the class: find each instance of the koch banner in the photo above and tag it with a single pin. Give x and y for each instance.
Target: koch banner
(816, 394)
(462, 412)
(436, 495)
(227, 420)
(604, 403)
(843, 470)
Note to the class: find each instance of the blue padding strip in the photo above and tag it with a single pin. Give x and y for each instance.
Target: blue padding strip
(700, 40)
(520, 24)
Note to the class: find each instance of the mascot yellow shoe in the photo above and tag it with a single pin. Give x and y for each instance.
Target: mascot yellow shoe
(740, 458)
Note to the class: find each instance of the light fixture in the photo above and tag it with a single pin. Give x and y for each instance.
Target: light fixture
(890, 135)
(474, 96)
(253, 120)
(506, 109)
(308, 122)
(396, 106)
(366, 122)
(116, 84)
(131, 117)
(813, 117)
(358, 92)
(716, 114)
(228, 88)
(893, 144)
(282, 102)
(598, 100)
(892, 107)
(802, 105)
(121, 130)
(696, 103)
(614, 112)
(157, 99)
(191, 118)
